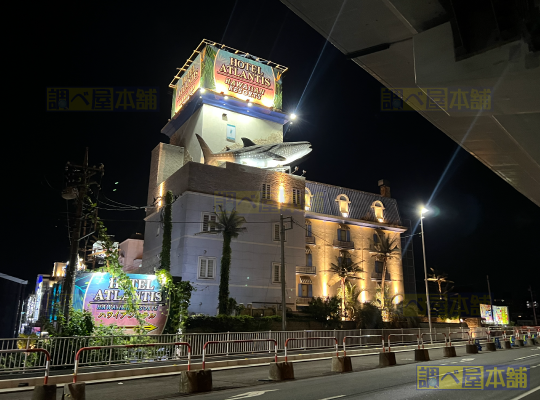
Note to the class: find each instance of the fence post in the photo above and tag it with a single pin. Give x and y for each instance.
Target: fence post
(26, 353)
(304, 341)
(110, 351)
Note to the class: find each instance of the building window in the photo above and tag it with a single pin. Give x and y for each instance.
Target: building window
(206, 268)
(307, 199)
(206, 227)
(309, 257)
(378, 209)
(343, 203)
(275, 233)
(309, 232)
(344, 255)
(378, 267)
(376, 239)
(276, 273)
(296, 197)
(266, 191)
(344, 234)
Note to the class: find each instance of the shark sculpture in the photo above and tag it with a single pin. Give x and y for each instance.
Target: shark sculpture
(262, 156)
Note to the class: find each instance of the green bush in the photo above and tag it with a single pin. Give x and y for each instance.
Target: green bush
(229, 323)
(325, 310)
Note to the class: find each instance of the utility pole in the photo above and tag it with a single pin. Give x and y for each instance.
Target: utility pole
(490, 300)
(77, 189)
(533, 305)
(425, 275)
(283, 288)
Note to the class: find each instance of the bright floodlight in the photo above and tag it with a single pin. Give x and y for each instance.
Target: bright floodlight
(203, 90)
(424, 210)
(293, 116)
(226, 97)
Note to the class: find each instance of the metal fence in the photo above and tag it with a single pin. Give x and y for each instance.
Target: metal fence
(63, 349)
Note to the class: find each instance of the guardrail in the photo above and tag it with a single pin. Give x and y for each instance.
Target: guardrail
(47, 355)
(127, 346)
(402, 334)
(361, 336)
(469, 340)
(240, 341)
(430, 335)
(312, 338)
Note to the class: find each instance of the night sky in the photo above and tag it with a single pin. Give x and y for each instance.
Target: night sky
(479, 225)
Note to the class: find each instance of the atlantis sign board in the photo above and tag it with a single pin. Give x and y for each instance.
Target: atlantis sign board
(100, 294)
(230, 74)
(500, 314)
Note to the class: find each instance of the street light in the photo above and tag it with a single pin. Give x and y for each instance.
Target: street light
(422, 212)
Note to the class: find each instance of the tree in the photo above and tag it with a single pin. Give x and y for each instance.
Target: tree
(324, 310)
(386, 250)
(229, 225)
(167, 232)
(345, 269)
(352, 305)
(440, 278)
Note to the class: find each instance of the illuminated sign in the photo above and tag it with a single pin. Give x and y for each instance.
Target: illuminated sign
(500, 314)
(100, 294)
(230, 74)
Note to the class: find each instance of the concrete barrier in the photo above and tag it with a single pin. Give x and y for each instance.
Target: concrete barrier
(281, 371)
(196, 381)
(490, 346)
(506, 344)
(421, 355)
(341, 364)
(387, 359)
(471, 349)
(44, 392)
(519, 342)
(74, 391)
(449, 351)
(531, 342)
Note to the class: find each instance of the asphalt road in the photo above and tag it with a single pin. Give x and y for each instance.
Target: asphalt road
(314, 381)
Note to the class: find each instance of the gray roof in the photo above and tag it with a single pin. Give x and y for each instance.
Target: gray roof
(324, 196)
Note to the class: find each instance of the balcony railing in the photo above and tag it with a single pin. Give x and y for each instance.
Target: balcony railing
(377, 276)
(303, 300)
(305, 269)
(310, 239)
(341, 244)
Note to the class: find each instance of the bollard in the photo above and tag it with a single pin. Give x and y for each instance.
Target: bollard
(196, 381)
(519, 343)
(281, 371)
(421, 355)
(530, 342)
(74, 391)
(341, 364)
(471, 349)
(44, 392)
(507, 344)
(490, 346)
(449, 351)
(387, 359)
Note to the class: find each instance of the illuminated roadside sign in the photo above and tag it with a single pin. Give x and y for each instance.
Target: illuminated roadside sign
(231, 74)
(500, 314)
(100, 294)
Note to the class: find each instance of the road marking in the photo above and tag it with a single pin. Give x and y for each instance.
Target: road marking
(335, 397)
(251, 394)
(467, 359)
(453, 362)
(521, 358)
(526, 393)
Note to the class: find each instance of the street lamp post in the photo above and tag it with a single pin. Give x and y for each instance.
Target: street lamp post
(425, 271)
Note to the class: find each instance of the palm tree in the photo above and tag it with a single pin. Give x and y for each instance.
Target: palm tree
(386, 249)
(351, 295)
(345, 269)
(229, 225)
(439, 278)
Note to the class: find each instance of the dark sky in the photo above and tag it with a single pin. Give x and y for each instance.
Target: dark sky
(479, 225)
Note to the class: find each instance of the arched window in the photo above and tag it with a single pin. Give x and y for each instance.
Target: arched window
(378, 209)
(343, 233)
(309, 257)
(343, 203)
(309, 232)
(307, 201)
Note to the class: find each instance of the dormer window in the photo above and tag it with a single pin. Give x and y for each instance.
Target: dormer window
(308, 197)
(378, 209)
(343, 203)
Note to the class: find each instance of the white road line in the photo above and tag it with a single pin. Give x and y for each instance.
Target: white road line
(521, 358)
(335, 397)
(526, 393)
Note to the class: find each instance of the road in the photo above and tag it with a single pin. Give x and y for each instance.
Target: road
(314, 381)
